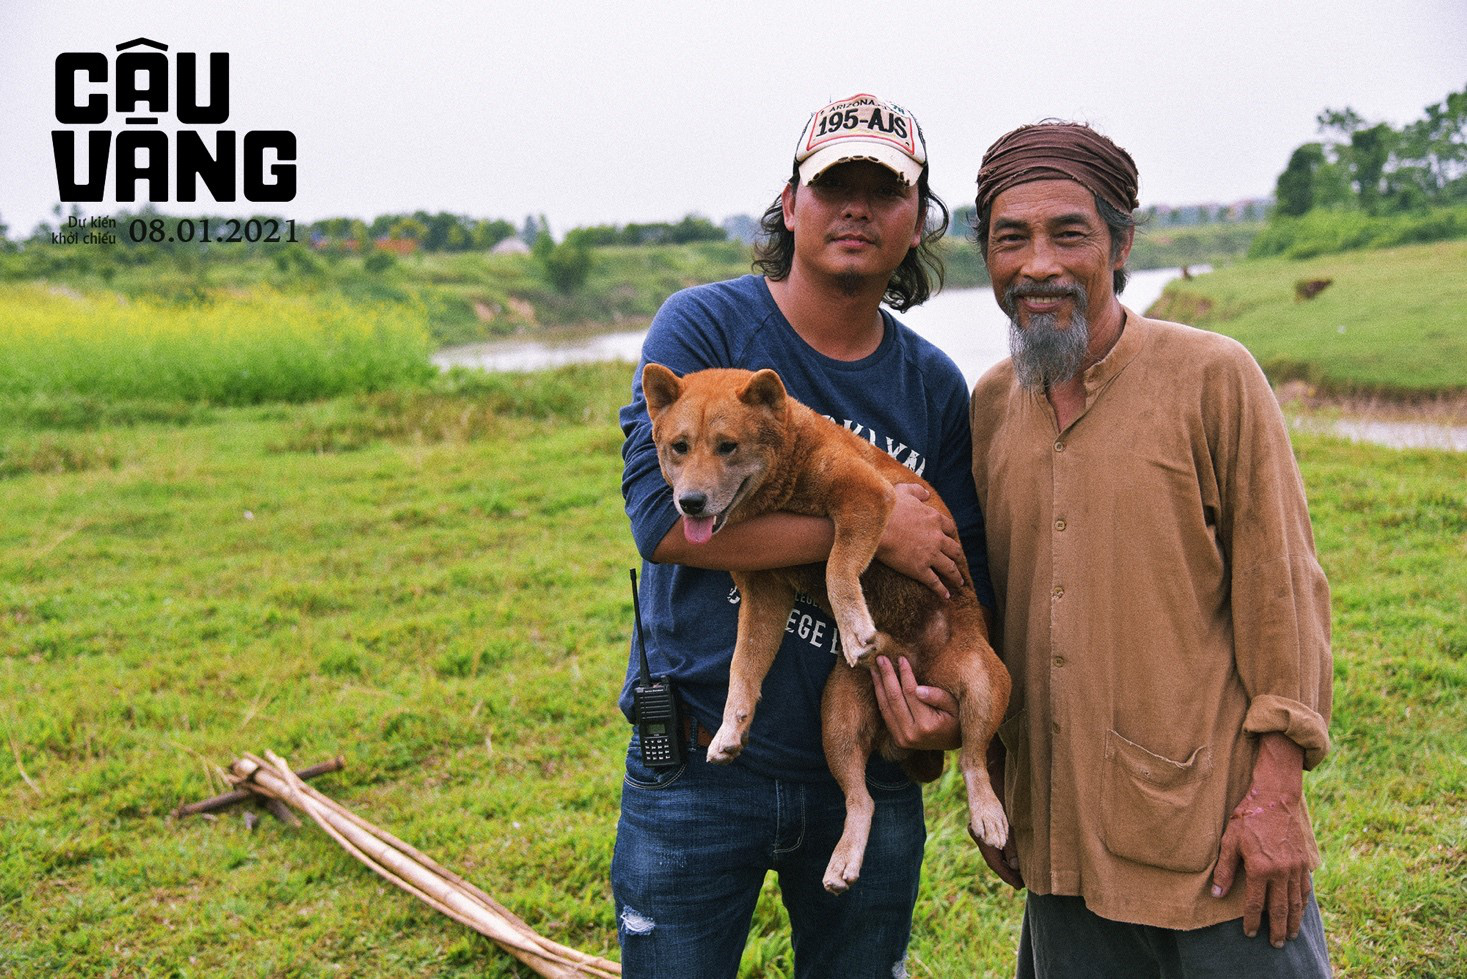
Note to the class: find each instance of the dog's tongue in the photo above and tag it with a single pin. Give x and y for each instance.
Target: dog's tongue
(698, 530)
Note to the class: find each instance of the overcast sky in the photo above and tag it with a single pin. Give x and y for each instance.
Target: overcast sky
(609, 112)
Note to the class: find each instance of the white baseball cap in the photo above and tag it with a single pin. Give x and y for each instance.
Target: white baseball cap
(862, 127)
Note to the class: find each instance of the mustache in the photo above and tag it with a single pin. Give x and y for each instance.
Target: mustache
(1040, 290)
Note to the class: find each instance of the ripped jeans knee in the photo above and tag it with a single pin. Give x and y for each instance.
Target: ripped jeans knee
(635, 923)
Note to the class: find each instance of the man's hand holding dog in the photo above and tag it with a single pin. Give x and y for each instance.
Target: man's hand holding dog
(921, 542)
(919, 718)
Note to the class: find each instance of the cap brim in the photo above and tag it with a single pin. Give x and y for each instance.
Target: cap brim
(909, 170)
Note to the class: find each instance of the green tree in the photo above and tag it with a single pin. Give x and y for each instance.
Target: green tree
(1370, 149)
(1430, 162)
(695, 228)
(487, 234)
(566, 265)
(543, 244)
(1294, 193)
(1376, 168)
(1341, 122)
(410, 228)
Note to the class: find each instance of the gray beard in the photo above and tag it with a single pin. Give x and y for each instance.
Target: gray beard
(1043, 354)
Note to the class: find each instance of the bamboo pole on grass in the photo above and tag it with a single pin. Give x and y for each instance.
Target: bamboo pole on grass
(227, 799)
(415, 872)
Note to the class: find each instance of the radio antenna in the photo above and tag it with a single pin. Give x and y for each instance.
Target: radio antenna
(646, 671)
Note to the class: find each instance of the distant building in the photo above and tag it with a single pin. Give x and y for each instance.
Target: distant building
(320, 241)
(397, 246)
(510, 246)
(1248, 209)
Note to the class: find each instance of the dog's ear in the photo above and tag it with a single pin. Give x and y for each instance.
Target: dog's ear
(661, 386)
(764, 390)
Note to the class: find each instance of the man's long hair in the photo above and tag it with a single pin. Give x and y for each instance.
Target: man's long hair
(913, 282)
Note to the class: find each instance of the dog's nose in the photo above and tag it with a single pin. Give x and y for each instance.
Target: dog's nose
(692, 504)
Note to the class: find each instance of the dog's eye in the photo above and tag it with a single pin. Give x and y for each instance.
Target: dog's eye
(679, 447)
(727, 448)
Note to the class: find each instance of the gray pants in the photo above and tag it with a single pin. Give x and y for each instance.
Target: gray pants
(1062, 939)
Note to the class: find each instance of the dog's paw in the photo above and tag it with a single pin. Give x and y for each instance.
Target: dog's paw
(989, 825)
(859, 647)
(842, 871)
(726, 745)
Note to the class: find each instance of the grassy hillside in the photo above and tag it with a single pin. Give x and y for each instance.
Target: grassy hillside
(433, 584)
(1393, 321)
(461, 297)
(469, 296)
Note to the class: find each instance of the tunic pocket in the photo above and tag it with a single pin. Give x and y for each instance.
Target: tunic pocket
(1014, 733)
(1157, 811)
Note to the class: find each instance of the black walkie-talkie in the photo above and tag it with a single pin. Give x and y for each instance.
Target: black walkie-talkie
(654, 704)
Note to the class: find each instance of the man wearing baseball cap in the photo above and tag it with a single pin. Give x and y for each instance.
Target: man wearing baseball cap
(855, 225)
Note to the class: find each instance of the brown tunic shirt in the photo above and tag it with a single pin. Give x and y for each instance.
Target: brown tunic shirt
(1161, 606)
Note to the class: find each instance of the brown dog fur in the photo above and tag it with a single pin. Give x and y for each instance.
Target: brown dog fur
(732, 444)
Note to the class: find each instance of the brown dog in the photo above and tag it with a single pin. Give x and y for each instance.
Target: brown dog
(732, 444)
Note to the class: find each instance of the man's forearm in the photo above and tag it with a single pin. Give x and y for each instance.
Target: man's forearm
(1279, 768)
(772, 540)
(917, 541)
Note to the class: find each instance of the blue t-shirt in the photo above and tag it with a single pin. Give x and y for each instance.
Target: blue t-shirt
(908, 398)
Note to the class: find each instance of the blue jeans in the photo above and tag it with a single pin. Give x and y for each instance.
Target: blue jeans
(694, 844)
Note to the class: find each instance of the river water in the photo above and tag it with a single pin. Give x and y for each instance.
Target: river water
(966, 323)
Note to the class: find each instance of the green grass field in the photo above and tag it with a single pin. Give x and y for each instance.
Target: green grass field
(242, 348)
(1393, 321)
(432, 582)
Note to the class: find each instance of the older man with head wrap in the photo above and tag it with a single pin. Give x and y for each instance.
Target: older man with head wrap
(1162, 612)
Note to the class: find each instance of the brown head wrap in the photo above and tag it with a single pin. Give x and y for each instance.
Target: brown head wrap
(1058, 150)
